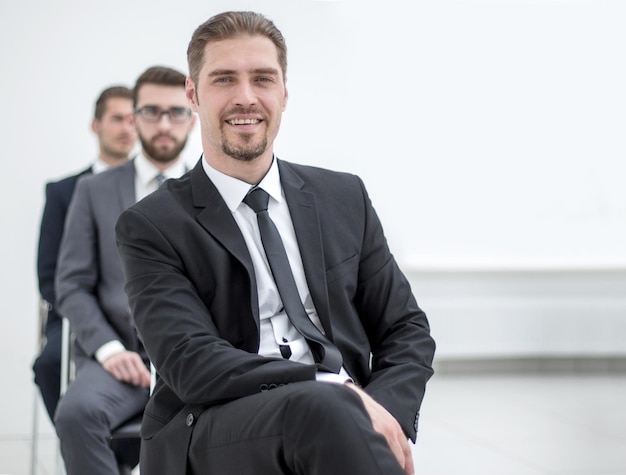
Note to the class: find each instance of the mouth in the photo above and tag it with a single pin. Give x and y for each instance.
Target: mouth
(163, 140)
(243, 121)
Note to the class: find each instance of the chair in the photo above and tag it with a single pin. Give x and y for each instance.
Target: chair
(44, 308)
(129, 429)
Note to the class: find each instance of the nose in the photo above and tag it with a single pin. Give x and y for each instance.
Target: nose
(244, 94)
(129, 124)
(164, 122)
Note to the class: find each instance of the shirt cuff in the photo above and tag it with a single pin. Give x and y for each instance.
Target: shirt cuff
(332, 378)
(109, 349)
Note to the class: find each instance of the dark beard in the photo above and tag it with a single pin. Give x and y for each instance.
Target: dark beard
(162, 156)
(245, 153)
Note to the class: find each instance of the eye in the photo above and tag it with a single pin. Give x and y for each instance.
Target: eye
(150, 111)
(178, 112)
(223, 80)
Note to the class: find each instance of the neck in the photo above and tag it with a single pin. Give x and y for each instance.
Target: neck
(160, 164)
(113, 160)
(251, 172)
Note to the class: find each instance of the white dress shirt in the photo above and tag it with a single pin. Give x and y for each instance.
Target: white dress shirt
(99, 166)
(275, 327)
(146, 173)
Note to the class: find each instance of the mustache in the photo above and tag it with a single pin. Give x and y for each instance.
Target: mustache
(244, 110)
(165, 135)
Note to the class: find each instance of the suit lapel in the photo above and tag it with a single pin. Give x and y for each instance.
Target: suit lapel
(126, 184)
(217, 219)
(304, 215)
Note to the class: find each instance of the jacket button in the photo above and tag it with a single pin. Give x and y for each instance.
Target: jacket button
(190, 420)
(417, 418)
(264, 387)
(273, 386)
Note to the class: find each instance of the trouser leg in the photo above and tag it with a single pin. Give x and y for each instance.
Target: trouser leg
(47, 369)
(307, 428)
(93, 404)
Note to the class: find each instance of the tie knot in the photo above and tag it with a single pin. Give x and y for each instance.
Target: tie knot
(159, 179)
(257, 199)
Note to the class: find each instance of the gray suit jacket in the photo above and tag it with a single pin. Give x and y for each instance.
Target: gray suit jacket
(89, 280)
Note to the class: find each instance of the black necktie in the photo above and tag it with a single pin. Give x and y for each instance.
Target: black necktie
(324, 351)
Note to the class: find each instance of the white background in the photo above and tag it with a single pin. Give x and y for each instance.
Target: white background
(490, 134)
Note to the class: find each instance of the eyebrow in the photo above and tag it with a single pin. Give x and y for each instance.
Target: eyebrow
(228, 72)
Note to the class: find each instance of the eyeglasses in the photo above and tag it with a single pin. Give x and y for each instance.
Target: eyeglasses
(151, 114)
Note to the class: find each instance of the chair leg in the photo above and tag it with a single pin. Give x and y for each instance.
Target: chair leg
(34, 441)
(60, 467)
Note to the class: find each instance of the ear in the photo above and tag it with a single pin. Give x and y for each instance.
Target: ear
(190, 92)
(285, 99)
(95, 125)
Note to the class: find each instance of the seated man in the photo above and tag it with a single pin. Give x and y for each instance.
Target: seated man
(285, 337)
(112, 379)
(114, 126)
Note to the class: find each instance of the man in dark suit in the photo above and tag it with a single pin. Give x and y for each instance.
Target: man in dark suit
(243, 383)
(112, 371)
(113, 125)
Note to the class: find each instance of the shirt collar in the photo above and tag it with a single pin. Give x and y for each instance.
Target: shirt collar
(99, 166)
(146, 171)
(233, 190)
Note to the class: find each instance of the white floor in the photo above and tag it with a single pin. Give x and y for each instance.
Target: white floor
(543, 424)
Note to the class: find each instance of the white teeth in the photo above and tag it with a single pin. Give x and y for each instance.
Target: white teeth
(243, 121)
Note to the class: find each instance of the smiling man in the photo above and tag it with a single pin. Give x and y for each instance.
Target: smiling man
(112, 377)
(285, 337)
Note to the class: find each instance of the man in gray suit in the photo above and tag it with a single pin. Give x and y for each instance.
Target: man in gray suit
(112, 377)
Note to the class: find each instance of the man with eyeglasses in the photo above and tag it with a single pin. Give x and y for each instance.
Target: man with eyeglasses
(114, 128)
(112, 377)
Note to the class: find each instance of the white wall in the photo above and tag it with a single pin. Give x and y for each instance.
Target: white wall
(490, 135)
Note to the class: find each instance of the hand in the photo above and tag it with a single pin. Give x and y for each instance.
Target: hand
(128, 367)
(385, 424)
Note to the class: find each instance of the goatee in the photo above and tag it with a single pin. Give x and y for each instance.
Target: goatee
(245, 153)
(160, 154)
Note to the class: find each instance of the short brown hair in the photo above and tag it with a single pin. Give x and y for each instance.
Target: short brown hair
(109, 93)
(160, 75)
(228, 25)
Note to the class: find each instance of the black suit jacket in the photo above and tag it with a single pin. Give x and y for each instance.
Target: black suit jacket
(192, 291)
(58, 198)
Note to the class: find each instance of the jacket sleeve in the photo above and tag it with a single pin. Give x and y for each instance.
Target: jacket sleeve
(50, 234)
(77, 274)
(398, 330)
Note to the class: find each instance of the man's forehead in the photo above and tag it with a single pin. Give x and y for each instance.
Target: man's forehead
(242, 53)
(161, 95)
(118, 105)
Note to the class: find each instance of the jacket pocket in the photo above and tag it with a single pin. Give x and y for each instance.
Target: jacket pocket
(349, 266)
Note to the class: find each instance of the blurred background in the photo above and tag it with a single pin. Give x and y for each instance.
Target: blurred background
(491, 137)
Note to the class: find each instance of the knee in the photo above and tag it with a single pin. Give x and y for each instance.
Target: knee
(75, 417)
(47, 365)
(323, 402)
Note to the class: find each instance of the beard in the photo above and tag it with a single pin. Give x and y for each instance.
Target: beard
(247, 151)
(162, 154)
